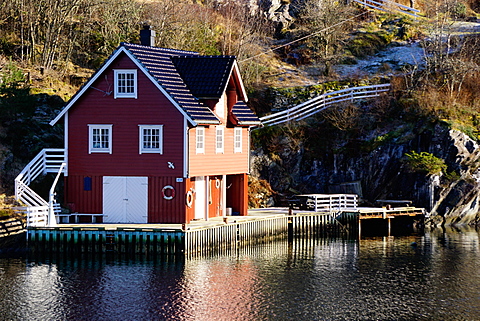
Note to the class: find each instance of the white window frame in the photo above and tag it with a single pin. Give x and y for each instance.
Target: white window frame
(141, 141)
(219, 139)
(91, 147)
(200, 139)
(117, 93)
(237, 140)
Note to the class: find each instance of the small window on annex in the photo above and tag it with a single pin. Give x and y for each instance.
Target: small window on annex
(151, 139)
(125, 84)
(237, 140)
(200, 140)
(100, 139)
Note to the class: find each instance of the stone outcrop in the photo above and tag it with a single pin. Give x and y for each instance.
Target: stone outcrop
(453, 198)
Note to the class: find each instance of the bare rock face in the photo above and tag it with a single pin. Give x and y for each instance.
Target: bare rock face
(457, 201)
(281, 12)
(278, 11)
(452, 198)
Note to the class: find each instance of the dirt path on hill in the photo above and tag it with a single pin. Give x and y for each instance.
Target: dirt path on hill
(398, 55)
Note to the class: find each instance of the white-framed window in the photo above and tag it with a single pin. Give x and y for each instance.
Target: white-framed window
(219, 139)
(200, 140)
(237, 140)
(100, 139)
(125, 83)
(151, 139)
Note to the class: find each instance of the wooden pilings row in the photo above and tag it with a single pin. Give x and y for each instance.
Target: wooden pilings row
(326, 224)
(198, 241)
(101, 240)
(231, 236)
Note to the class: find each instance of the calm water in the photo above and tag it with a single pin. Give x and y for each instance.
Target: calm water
(371, 279)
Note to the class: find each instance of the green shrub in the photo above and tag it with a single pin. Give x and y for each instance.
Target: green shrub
(424, 163)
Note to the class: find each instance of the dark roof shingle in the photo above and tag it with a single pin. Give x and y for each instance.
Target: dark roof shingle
(205, 76)
(244, 115)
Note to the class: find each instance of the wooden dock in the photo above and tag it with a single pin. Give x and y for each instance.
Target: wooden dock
(212, 236)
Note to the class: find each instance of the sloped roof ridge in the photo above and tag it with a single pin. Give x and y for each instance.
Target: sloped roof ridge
(209, 56)
(160, 49)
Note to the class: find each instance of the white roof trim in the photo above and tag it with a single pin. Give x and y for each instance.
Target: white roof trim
(100, 72)
(242, 87)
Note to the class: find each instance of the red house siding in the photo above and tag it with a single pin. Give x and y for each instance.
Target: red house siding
(161, 210)
(125, 114)
(80, 200)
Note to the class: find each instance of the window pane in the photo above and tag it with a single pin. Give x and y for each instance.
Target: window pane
(200, 139)
(151, 138)
(219, 139)
(100, 138)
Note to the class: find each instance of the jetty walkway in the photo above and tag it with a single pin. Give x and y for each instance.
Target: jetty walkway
(216, 234)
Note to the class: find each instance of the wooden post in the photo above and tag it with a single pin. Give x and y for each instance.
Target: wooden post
(359, 227)
(389, 226)
(290, 230)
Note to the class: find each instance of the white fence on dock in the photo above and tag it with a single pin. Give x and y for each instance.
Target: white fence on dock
(332, 202)
(322, 102)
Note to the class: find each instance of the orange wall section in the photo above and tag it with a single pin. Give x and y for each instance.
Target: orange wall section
(212, 163)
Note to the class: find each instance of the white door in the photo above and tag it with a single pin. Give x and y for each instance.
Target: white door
(125, 199)
(200, 197)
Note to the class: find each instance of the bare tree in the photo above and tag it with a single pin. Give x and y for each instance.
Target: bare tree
(324, 19)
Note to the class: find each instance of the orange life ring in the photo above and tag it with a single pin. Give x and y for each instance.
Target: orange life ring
(189, 198)
(172, 193)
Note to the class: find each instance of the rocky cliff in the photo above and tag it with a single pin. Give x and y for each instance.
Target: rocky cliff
(380, 173)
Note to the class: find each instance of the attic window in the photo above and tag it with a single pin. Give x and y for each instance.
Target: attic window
(125, 83)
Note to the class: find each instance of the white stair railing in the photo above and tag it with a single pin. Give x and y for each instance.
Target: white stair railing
(386, 5)
(51, 160)
(319, 103)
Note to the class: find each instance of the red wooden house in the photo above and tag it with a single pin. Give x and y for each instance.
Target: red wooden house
(158, 136)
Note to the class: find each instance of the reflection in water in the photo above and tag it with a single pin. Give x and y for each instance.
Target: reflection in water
(430, 277)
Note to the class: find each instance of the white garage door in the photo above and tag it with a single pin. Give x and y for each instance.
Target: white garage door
(125, 199)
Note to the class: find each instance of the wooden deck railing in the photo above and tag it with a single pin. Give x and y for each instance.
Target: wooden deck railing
(333, 202)
(319, 103)
(51, 160)
(386, 5)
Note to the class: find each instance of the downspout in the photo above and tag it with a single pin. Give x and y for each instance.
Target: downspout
(186, 144)
(224, 195)
(249, 129)
(65, 147)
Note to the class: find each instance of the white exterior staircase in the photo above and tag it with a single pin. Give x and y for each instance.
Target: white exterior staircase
(39, 211)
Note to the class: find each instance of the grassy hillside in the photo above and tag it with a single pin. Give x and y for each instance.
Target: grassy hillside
(47, 52)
